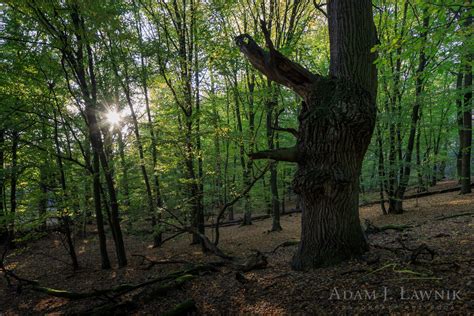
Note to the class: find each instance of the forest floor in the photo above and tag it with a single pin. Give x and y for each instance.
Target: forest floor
(383, 281)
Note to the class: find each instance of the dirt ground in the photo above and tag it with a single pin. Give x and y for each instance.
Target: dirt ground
(383, 281)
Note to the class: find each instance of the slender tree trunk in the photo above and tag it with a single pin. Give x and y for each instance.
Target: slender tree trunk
(226, 166)
(64, 216)
(419, 168)
(125, 83)
(381, 169)
(124, 166)
(275, 203)
(3, 211)
(43, 179)
(13, 185)
(467, 111)
(191, 175)
(283, 191)
(266, 196)
(115, 218)
(247, 220)
(87, 212)
(43, 199)
(157, 238)
(393, 106)
(218, 185)
(396, 202)
(459, 111)
(105, 261)
(90, 96)
(200, 179)
(251, 145)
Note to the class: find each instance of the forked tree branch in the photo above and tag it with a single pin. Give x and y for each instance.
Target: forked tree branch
(275, 65)
(289, 154)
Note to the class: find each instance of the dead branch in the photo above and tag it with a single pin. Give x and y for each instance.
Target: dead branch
(152, 263)
(275, 65)
(254, 218)
(289, 154)
(422, 249)
(440, 218)
(418, 195)
(172, 280)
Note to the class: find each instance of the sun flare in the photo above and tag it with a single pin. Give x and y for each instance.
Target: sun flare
(113, 117)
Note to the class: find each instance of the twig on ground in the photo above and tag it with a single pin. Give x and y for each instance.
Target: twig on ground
(152, 263)
(440, 218)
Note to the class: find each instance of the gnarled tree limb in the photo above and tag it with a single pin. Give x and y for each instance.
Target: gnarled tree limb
(275, 65)
(289, 154)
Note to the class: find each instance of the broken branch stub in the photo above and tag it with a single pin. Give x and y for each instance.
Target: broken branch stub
(289, 154)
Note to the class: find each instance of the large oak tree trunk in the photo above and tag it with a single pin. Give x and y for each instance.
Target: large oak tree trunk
(336, 123)
(334, 134)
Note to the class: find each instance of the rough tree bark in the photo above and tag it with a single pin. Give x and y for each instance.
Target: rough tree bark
(336, 123)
